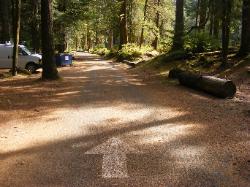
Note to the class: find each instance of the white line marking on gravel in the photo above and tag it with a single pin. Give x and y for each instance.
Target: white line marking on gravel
(114, 163)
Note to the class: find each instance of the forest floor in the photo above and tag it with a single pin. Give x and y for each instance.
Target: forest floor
(147, 132)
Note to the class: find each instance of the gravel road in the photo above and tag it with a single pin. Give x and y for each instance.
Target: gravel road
(104, 126)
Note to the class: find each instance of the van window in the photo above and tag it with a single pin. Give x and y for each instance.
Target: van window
(24, 51)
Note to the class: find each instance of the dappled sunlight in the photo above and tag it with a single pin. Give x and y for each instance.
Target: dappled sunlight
(69, 123)
(52, 125)
(165, 133)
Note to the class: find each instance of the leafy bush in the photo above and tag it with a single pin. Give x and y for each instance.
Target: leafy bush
(100, 51)
(201, 42)
(132, 51)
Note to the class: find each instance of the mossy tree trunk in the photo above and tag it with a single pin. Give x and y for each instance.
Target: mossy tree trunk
(49, 66)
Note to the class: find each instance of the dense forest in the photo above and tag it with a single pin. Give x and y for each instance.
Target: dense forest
(127, 27)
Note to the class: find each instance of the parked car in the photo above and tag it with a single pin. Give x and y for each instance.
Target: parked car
(26, 60)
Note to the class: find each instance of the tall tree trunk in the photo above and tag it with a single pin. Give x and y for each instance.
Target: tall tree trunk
(226, 19)
(157, 23)
(5, 20)
(178, 42)
(111, 39)
(212, 12)
(217, 18)
(123, 24)
(144, 20)
(16, 31)
(197, 13)
(245, 36)
(49, 66)
(203, 14)
(35, 26)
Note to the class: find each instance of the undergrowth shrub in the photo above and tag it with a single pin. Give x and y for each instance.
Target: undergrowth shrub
(201, 42)
(132, 51)
(100, 51)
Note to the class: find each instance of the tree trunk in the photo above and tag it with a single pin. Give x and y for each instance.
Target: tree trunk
(212, 12)
(197, 13)
(35, 26)
(203, 14)
(5, 20)
(123, 24)
(16, 31)
(215, 16)
(49, 66)
(111, 39)
(226, 18)
(178, 42)
(144, 20)
(245, 36)
(157, 23)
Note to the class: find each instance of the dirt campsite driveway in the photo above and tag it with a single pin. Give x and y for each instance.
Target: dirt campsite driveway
(102, 126)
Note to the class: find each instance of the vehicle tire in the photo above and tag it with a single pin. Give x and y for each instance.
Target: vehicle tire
(31, 67)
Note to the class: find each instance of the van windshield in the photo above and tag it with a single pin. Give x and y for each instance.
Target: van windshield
(24, 49)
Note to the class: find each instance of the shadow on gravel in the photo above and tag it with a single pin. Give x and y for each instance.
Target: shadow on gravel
(88, 85)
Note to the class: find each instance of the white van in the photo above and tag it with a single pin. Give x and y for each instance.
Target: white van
(26, 60)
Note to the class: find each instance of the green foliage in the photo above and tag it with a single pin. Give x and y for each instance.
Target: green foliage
(201, 42)
(102, 51)
(132, 51)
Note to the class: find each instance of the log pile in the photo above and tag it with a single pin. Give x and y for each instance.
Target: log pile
(215, 86)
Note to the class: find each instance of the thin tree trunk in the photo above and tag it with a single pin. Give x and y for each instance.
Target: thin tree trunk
(144, 20)
(111, 39)
(49, 66)
(16, 31)
(226, 30)
(178, 42)
(157, 23)
(212, 4)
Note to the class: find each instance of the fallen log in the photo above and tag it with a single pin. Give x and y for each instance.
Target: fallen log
(218, 87)
(131, 64)
(174, 73)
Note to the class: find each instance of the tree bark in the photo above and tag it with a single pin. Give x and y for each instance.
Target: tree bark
(245, 36)
(157, 23)
(16, 31)
(35, 38)
(203, 14)
(49, 65)
(5, 20)
(123, 24)
(226, 19)
(218, 87)
(178, 42)
(144, 20)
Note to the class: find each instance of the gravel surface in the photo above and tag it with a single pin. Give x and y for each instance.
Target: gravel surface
(181, 137)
